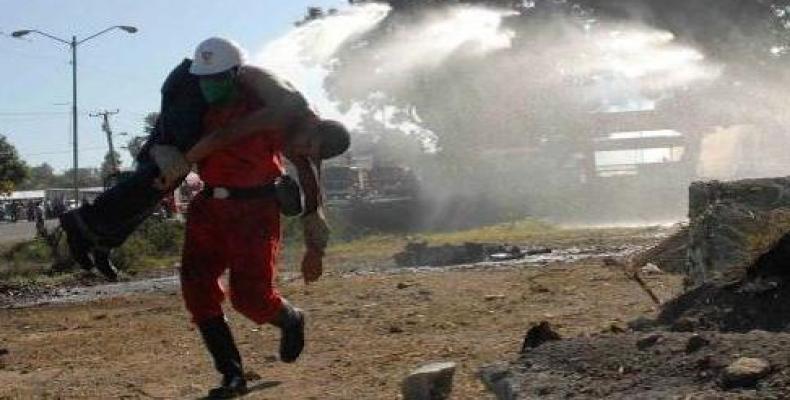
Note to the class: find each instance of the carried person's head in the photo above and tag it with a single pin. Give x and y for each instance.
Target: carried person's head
(323, 140)
(217, 61)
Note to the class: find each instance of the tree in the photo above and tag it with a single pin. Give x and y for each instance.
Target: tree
(39, 177)
(86, 177)
(135, 145)
(12, 169)
(149, 122)
(111, 164)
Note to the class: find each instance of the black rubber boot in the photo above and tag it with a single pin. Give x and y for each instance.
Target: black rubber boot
(101, 258)
(219, 342)
(290, 320)
(79, 245)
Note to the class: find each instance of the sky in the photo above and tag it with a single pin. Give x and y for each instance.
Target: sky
(116, 70)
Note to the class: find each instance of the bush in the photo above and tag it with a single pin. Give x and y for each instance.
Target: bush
(131, 253)
(166, 237)
(25, 259)
(154, 239)
(35, 251)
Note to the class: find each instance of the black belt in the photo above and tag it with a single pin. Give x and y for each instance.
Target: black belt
(255, 192)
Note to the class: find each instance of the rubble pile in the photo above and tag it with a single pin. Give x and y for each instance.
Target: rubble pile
(733, 225)
(670, 255)
(421, 254)
(726, 337)
(660, 365)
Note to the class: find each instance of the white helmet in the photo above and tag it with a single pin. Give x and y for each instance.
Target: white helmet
(215, 55)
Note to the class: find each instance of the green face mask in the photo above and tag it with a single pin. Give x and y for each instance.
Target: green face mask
(217, 91)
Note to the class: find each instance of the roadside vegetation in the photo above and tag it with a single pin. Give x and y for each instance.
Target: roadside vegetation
(156, 247)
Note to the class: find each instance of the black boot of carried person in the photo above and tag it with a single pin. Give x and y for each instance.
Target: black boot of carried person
(79, 244)
(101, 258)
(227, 360)
(291, 321)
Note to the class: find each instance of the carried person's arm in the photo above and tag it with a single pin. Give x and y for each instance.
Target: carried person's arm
(315, 228)
(282, 105)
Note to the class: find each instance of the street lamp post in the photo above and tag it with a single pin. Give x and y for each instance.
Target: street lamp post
(73, 43)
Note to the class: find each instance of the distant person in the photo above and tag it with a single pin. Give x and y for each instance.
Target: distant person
(14, 210)
(253, 120)
(31, 211)
(38, 210)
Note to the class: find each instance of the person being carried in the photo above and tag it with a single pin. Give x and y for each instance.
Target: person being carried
(94, 229)
(254, 120)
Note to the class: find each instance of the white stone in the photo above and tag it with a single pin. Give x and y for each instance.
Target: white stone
(430, 382)
(746, 371)
(651, 269)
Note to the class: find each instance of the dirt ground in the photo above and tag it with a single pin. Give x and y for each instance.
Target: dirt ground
(366, 332)
(631, 366)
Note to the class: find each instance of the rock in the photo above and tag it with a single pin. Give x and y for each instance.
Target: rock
(758, 286)
(685, 324)
(271, 358)
(642, 324)
(404, 285)
(733, 224)
(498, 379)
(3, 352)
(745, 372)
(696, 342)
(651, 269)
(648, 341)
(430, 382)
(395, 329)
(539, 334)
(614, 328)
(252, 376)
(490, 297)
(538, 288)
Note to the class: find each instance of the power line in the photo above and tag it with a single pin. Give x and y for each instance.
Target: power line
(45, 153)
(22, 113)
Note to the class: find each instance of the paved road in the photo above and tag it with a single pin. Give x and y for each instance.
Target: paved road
(16, 232)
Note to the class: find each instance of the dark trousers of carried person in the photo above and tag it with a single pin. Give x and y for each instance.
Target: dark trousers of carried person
(233, 225)
(94, 229)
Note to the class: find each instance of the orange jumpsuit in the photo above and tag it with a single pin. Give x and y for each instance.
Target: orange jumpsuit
(240, 235)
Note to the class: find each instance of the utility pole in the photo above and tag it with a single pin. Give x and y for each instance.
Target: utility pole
(105, 126)
(73, 43)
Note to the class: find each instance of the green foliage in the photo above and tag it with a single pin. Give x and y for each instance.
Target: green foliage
(43, 177)
(34, 250)
(111, 164)
(12, 169)
(86, 177)
(149, 122)
(132, 253)
(166, 237)
(24, 259)
(135, 145)
(39, 177)
(153, 240)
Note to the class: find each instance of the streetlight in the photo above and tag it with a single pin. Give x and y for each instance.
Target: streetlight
(73, 43)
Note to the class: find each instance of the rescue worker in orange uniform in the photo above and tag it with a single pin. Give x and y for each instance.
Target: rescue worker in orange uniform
(253, 121)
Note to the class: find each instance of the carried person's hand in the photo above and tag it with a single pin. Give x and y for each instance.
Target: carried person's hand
(315, 230)
(165, 183)
(173, 166)
(312, 264)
